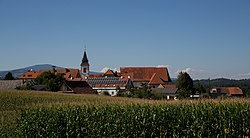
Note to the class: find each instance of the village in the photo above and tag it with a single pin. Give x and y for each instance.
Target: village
(113, 83)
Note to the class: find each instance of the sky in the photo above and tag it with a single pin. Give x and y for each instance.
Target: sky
(206, 38)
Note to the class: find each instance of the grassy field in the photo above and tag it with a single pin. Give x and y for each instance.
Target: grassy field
(31, 106)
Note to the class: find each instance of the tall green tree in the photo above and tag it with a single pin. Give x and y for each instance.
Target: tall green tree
(199, 88)
(9, 76)
(52, 81)
(184, 85)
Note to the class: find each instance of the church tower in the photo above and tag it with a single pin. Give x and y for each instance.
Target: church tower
(85, 65)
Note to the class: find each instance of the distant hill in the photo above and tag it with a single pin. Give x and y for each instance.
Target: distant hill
(223, 82)
(17, 72)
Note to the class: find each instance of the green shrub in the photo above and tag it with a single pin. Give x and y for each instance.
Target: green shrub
(156, 95)
(106, 93)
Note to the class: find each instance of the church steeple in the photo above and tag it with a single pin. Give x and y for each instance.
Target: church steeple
(85, 61)
(85, 65)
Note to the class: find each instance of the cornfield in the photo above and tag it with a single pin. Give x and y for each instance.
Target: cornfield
(42, 114)
(206, 119)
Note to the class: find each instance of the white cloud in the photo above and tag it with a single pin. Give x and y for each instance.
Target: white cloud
(161, 66)
(194, 73)
(241, 76)
(203, 74)
(107, 68)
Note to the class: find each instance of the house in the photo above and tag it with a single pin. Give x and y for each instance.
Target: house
(77, 86)
(109, 82)
(152, 76)
(226, 92)
(169, 93)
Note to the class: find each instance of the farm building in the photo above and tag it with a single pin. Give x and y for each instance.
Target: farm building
(226, 92)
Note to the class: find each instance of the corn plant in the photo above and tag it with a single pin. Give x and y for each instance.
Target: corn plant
(180, 120)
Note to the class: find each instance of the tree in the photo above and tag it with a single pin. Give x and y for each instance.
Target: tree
(183, 93)
(199, 88)
(156, 95)
(141, 92)
(184, 85)
(248, 92)
(9, 76)
(52, 81)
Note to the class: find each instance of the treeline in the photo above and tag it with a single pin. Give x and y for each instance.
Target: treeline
(222, 82)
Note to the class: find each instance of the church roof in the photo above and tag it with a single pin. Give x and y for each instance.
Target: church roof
(85, 61)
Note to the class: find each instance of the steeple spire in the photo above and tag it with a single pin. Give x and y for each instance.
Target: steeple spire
(85, 61)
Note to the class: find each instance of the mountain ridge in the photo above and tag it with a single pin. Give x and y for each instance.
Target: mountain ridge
(18, 72)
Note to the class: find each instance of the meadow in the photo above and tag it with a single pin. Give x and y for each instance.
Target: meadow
(46, 114)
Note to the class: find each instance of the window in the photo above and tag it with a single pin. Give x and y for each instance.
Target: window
(84, 70)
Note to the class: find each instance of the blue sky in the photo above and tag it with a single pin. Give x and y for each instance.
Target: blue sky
(208, 39)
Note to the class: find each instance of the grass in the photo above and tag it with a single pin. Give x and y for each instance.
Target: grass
(14, 103)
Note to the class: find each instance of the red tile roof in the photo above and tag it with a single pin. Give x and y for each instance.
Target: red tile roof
(68, 73)
(28, 75)
(109, 72)
(170, 86)
(233, 91)
(146, 74)
(95, 75)
(156, 79)
(229, 91)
